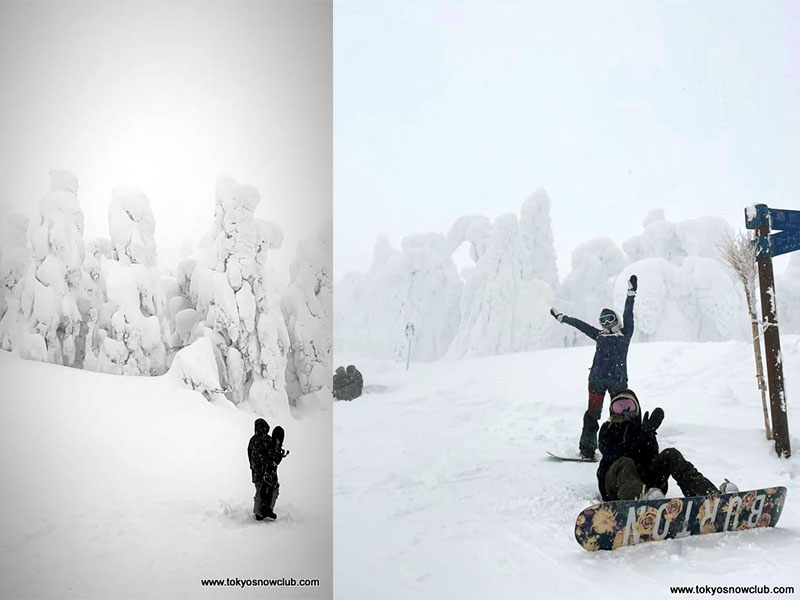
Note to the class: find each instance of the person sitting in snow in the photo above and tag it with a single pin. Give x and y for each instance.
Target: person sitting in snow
(632, 468)
(609, 370)
(347, 384)
(258, 455)
(275, 455)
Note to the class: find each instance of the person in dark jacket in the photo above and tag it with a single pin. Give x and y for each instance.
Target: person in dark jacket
(340, 380)
(632, 467)
(348, 384)
(275, 454)
(609, 372)
(258, 455)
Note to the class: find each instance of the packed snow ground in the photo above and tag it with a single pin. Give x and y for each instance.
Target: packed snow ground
(442, 488)
(134, 487)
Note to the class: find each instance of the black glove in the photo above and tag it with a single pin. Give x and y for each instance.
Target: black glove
(633, 284)
(557, 315)
(652, 422)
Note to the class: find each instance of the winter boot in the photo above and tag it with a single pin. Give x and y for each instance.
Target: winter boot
(728, 487)
(652, 493)
(588, 441)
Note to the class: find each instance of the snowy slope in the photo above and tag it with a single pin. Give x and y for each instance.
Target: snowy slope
(133, 487)
(442, 488)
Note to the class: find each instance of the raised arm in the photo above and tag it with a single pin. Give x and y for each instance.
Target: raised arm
(592, 332)
(627, 314)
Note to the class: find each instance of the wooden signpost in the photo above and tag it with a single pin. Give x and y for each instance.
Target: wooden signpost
(777, 232)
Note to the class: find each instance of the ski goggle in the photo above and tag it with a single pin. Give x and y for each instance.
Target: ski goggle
(606, 319)
(623, 405)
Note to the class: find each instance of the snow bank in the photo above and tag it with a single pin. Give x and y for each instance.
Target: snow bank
(138, 487)
(476, 486)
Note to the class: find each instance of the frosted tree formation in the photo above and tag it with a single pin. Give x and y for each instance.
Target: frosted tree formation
(685, 292)
(307, 306)
(223, 294)
(508, 293)
(131, 342)
(217, 318)
(418, 284)
(42, 319)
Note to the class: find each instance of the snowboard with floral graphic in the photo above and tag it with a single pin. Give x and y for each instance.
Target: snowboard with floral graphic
(613, 525)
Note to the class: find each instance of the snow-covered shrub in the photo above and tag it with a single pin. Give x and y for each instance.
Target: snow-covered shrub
(307, 307)
(196, 367)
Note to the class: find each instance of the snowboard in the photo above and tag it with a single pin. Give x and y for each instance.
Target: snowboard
(613, 525)
(575, 458)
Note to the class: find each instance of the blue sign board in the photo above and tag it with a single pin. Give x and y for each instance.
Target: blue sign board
(787, 222)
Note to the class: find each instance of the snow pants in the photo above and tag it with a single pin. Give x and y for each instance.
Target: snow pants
(625, 482)
(591, 418)
(265, 498)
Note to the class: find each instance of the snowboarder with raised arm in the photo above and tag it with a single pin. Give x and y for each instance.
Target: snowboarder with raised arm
(275, 455)
(609, 370)
(632, 468)
(257, 454)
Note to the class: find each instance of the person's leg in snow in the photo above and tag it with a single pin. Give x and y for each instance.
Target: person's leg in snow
(591, 421)
(623, 481)
(258, 501)
(670, 462)
(271, 488)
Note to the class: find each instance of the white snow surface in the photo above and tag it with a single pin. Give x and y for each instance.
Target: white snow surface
(134, 487)
(442, 486)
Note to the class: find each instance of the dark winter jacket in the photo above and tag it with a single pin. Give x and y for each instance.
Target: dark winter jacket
(347, 385)
(258, 450)
(626, 438)
(610, 365)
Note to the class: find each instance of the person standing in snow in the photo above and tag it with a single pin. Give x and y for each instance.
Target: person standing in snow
(258, 454)
(609, 370)
(632, 467)
(275, 455)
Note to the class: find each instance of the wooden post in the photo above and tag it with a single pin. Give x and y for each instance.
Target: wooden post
(410, 336)
(772, 350)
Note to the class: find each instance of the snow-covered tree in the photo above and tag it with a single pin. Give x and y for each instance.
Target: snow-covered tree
(507, 294)
(126, 303)
(307, 308)
(675, 241)
(695, 301)
(45, 311)
(227, 295)
(419, 285)
(14, 258)
(589, 286)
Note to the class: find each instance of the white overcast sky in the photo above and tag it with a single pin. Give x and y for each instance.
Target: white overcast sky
(614, 107)
(165, 97)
